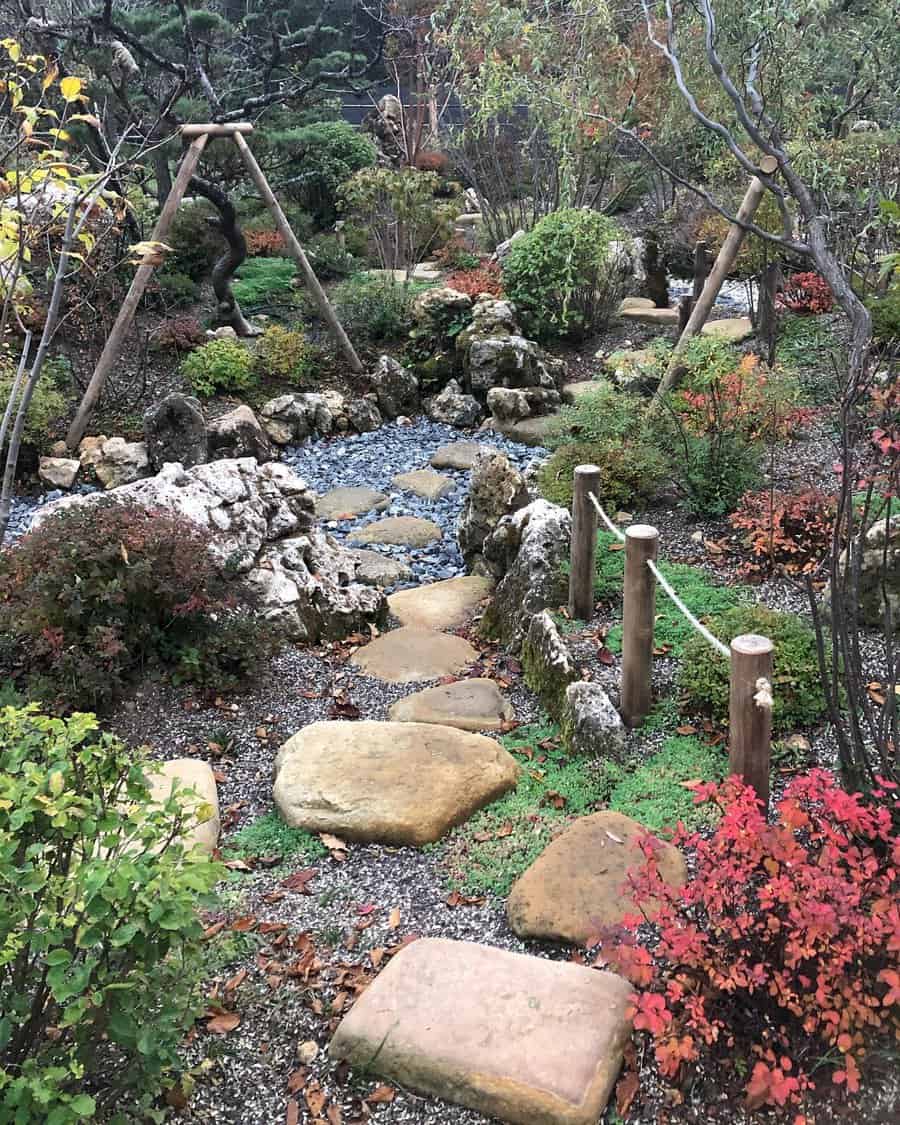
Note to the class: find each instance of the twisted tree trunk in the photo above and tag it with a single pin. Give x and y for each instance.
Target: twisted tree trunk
(229, 311)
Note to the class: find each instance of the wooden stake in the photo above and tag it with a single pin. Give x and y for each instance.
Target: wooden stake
(638, 614)
(584, 543)
(139, 282)
(191, 131)
(296, 250)
(750, 714)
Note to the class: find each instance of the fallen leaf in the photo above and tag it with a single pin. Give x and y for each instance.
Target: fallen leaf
(394, 918)
(220, 1023)
(292, 1117)
(615, 839)
(605, 656)
(366, 908)
(238, 865)
(686, 729)
(626, 1089)
(235, 982)
(377, 956)
(244, 924)
(333, 843)
(211, 931)
(298, 881)
(505, 829)
(296, 1080)
(333, 1113)
(315, 1099)
(381, 1094)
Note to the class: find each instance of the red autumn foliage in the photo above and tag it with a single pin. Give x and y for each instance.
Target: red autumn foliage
(791, 531)
(183, 333)
(264, 243)
(484, 279)
(784, 946)
(430, 161)
(807, 293)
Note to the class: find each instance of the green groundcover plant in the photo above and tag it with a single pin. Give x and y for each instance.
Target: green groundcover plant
(99, 931)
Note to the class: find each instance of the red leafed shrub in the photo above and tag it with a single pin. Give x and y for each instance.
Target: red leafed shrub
(183, 333)
(264, 243)
(807, 293)
(429, 161)
(484, 279)
(784, 945)
(788, 530)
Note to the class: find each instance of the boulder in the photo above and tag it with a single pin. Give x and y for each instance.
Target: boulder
(59, 472)
(238, 434)
(193, 782)
(393, 783)
(458, 455)
(364, 415)
(441, 605)
(650, 315)
(425, 483)
(879, 574)
(508, 405)
(414, 655)
(524, 1039)
(547, 664)
(494, 353)
(404, 531)
(527, 431)
(90, 451)
(175, 431)
(590, 723)
(501, 253)
(433, 308)
(397, 388)
(496, 488)
(121, 462)
(295, 417)
(453, 408)
(470, 704)
(732, 329)
(578, 884)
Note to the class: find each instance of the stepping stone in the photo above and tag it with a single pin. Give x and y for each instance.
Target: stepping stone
(575, 886)
(425, 483)
(632, 303)
(191, 773)
(526, 431)
(407, 531)
(392, 783)
(571, 392)
(410, 655)
(734, 329)
(374, 569)
(650, 315)
(347, 503)
(458, 455)
(441, 605)
(466, 705)
(525, 1039)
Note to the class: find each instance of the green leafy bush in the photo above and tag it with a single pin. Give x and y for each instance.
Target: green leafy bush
(264, 283)
(98, 592)
(326, 155)
(225, 652)
(329, 259)
(176, 290)
(99, 931)
(220, 365)
(283, 353)
(885, 313)
(715, 471)
(797, 688)
(47, 405)
(563, 276)
(373, 307)
(195, 240)
(602, 413)
(629, 473)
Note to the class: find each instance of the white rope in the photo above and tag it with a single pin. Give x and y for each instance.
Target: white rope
(701, 629)
(763, 697)
(605, 518)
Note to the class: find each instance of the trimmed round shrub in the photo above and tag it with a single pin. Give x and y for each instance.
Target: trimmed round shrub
(326, 153)
(885, 313)
(797, 689)
(629, 474)
(373, 307)
(100, 937)
(603, 412)
(564, 276)
(220, 365)
(283, 353)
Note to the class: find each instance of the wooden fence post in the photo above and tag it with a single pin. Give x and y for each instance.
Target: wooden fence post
(584, 543)
(750, 718)
(638, 613)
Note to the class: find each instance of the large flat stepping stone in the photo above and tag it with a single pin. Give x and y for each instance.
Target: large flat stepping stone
(650, 315)
(425, 483)
(195, 774)
(466, 705)
(405, 531)
(636, 303)
(412, 655)
(441, 605)
(348, 503)
(733, 329)
(572, 392)
(392, 783)
(458, 455)
(575, 886)
(374, 569)
(526, 431)
(524, 1039)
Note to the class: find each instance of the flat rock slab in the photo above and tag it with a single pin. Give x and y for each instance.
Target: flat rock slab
(191, 773)
(458, 455)
(575, 886)
(636, 303)
(374, 569)
(425, 483)
(393, 783)
(348, 503)
(650, 315)
(441, 605)
(466, 705)
(525, 1039)
(406, 531)
(526, 431)
(734, 329)
(412, 655)
(571, 392)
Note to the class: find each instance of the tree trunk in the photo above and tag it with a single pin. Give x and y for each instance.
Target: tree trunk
(228, 311)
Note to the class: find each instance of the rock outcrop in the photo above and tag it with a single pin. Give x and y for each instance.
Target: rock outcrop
(175, 431)
(496, 489)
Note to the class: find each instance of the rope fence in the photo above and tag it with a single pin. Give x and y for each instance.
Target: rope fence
(750, 655)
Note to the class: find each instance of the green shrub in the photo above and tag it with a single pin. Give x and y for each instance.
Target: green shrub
(99, 930)
(563, 276)
(177, 290)
(220, 365)
(602, 413)
(226, 652)
(326, 155)
(374, 307)
(715, 471)
(629, 473)
(195, 240)
(283, 353)
(265, 283)
(47, 405)
(797, 688)
(885, 313)
(329, 259)
(97, 593)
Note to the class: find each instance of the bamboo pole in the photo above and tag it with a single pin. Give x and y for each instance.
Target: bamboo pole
(638, 615)
(191, 131)
(584, 543)
(139, 282)
(750, 711)
(296, 250)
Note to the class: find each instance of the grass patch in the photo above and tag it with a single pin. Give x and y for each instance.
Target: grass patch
(268, 835)
(265, 281)
(803, 349)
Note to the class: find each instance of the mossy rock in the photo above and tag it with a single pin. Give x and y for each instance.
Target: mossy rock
(546, 665)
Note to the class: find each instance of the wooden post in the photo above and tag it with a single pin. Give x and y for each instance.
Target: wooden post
(584, 543)
(312, 282)
(750, 721)
(210, 130)
(723, 264)
(767, 313)
(702, 263)
(638, 614)
(113, 347)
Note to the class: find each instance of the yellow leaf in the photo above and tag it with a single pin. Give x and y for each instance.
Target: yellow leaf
(13, 49)
(50, 77)
(70, 88)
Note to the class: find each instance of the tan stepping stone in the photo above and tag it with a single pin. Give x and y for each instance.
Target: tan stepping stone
(650, 315)
(734, 329)
(571, 392)
(441, 605)
(347, 503)
(466, 705)
(191, 773)
(526, 431)
(636, 303)
(425, 483)
(412, 655)
(374, 569)
(458, 455)
(407, 531)
(525, 1039)
(394, 783)
(575, 886)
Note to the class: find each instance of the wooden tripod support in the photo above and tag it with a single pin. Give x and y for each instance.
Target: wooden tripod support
(198, 135)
